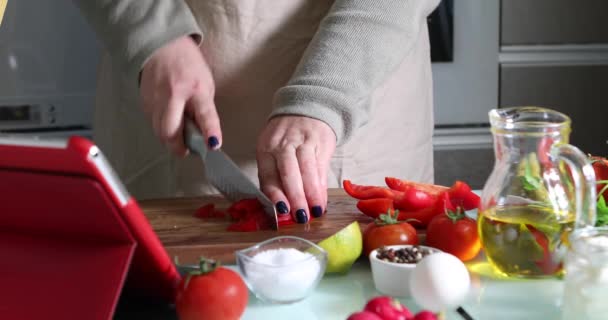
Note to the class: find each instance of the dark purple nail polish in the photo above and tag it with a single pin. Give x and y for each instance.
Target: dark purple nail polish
(316, 211)
(212, 142)
(301, 216)
(282, 207)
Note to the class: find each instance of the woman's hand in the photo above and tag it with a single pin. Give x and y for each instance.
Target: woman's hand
(176, 81)
(293, 155)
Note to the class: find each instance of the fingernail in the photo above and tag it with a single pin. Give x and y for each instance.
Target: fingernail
(317, 211)
(212, 142)
(282, 207)
(301, 216)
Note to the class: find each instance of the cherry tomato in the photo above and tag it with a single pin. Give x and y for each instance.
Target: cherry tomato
(600, 167)
(455, 233)
(386, 231)
(211, 293)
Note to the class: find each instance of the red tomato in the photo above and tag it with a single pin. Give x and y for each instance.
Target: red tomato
(387, 231)
(211, 293)
(600, 166)
(454, 233)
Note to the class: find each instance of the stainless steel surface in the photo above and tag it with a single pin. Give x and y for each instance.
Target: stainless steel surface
(224, 174)
(34, 141)
(48, 79)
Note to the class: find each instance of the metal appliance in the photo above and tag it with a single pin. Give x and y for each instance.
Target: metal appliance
(48, 69)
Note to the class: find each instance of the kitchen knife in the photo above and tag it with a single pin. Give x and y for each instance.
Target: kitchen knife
(225, 175)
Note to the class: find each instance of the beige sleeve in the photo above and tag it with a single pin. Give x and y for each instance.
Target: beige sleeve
(358, 44)
(131, 30)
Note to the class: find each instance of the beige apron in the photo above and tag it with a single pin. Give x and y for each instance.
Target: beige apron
(253, 48)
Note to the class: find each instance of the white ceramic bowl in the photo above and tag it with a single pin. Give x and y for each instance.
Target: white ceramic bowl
(287, 282)
(391, 278)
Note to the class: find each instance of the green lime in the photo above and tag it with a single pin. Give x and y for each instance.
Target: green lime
(343, 248)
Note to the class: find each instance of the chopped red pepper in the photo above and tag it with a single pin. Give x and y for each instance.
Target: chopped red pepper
(247, 215)
(546, 264)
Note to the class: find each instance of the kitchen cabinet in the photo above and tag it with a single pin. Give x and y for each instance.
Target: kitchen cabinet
(576, 90)
(525, 22)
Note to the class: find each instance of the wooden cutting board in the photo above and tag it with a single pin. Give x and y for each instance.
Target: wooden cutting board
(187, 237)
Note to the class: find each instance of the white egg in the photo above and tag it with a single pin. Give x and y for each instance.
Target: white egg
(440, 281)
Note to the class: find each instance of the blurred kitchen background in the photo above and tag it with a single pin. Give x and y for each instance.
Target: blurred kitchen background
(486, 53)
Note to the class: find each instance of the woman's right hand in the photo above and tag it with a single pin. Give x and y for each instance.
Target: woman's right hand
(176, 81)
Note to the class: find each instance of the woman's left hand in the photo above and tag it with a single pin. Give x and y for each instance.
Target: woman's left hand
(293, 155)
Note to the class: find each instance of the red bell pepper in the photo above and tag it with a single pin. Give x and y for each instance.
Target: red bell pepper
(546, 264)
(413, 199)
(247, 215)
(422, 217)
(367, 192)
(375, 207)
(462, 196)
(403, 185)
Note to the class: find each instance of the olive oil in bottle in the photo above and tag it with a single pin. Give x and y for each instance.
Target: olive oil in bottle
(526, 240)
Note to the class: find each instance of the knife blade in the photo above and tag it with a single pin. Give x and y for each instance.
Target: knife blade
(225, 175)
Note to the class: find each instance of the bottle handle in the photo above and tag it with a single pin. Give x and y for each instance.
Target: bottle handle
(584, 182)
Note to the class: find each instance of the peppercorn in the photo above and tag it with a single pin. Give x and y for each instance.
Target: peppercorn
(411, 254)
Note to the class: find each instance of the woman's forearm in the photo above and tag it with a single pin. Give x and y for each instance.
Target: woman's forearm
(131, 30)
(358, 44)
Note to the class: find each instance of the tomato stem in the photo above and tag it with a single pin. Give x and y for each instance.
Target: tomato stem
(391, 218)
(455, 216)
(204, 266)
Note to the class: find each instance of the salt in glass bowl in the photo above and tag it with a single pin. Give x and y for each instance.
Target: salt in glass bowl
(392, 278)
(286, 282)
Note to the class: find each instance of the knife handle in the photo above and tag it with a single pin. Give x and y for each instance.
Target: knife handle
(193, 138)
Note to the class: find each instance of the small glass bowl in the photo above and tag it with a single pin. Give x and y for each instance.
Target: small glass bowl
(273, 277)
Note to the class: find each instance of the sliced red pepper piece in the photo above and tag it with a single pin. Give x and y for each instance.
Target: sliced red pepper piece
(422, 217)
(414, 199)
(461, 195)
(546, 264)
(362, 192)
(375, 207)
(402, 185)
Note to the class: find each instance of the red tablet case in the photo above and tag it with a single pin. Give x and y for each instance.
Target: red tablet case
(71, 238)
